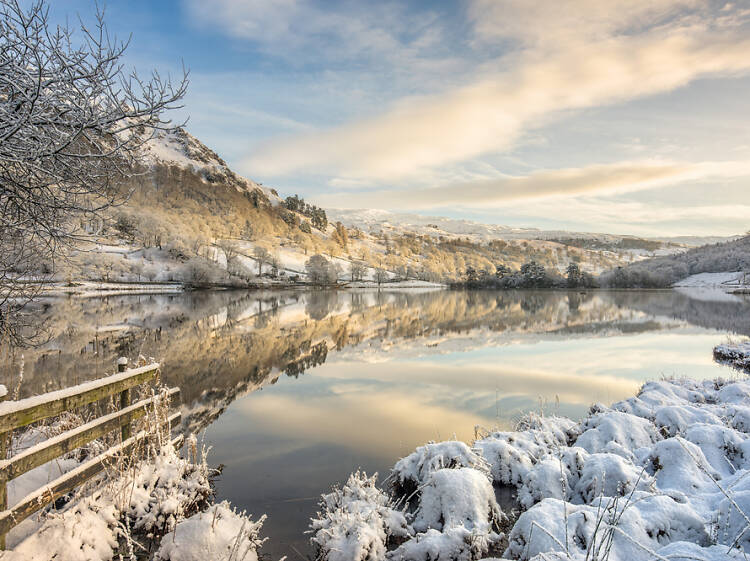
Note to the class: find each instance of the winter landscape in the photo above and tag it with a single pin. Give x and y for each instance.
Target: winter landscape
(374, 281)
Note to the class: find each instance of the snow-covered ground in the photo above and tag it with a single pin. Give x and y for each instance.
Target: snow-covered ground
(93, 288)
(726, 280)
(663, 475)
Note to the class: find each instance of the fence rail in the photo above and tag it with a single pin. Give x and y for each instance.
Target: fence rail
(21, 413)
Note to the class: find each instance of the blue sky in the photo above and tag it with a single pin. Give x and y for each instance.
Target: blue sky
(627, 116)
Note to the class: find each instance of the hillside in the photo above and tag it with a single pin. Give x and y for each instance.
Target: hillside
(190, 219)
(665, 271)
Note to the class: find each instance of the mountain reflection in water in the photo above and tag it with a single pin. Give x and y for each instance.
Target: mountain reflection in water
(359, 378)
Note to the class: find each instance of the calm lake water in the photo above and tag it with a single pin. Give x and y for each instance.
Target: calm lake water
(294, 390)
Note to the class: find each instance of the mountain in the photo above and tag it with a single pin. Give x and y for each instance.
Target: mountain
(375, 220)
(188, 217)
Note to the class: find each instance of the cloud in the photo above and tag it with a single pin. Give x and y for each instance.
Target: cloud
(599, 179)
(611, 61)
(308, 31)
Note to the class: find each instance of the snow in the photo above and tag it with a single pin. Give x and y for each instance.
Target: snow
(664, 474)
(355, 521)
(735, 353)
(219, 533)
(149, 499)
(8, 407)
(710, 280)
(415, 469)
(455, 498)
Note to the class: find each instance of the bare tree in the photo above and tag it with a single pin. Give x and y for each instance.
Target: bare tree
(357, 271)
(72, 124)
(231, 251)
(261, 255)
(381, 275)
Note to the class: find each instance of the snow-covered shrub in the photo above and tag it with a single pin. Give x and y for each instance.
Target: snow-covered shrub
(554, 477)
(576, 476)
(165, 489)
(739, 416)
(356, 522)
(414, 470)
(86, 531)
(608, 475)
(561, 429)
(219, 534)
(512, 454)
(457, 497)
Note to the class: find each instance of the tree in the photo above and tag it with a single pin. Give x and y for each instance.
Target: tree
(533, 275)
(381, 275)
(357, 271)
(261, 255)
(72, 124)
(573, 276)
(340, 235)
(471, 274)
(230, 249)
(318, 218)
(321, 271)
(502, 271)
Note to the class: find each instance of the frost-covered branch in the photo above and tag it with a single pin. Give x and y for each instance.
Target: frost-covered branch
(72, 123)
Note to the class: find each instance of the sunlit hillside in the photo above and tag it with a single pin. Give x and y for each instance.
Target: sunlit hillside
(189, 218)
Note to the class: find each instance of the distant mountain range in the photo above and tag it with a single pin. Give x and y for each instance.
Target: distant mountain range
(375, 220)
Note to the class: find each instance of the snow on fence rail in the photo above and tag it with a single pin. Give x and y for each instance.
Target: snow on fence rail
(18, 414)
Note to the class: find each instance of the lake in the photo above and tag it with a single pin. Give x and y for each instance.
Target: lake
(294, 390)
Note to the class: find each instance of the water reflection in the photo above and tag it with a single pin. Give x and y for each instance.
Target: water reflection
(297, 389)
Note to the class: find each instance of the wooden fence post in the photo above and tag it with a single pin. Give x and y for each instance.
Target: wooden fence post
(122, 366)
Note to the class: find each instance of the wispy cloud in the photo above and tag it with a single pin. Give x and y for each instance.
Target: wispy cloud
(599, 179)
(606, 64)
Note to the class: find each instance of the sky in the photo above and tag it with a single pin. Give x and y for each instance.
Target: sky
(624, 116)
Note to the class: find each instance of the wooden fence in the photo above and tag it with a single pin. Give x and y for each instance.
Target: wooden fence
(18, 414)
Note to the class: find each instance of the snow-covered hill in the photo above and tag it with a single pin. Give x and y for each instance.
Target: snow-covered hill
(182, 149)
(376, 220)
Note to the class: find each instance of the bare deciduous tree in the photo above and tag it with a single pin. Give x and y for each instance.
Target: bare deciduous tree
(261, 255)
(231, 252)
(357, 271)
(72, 124)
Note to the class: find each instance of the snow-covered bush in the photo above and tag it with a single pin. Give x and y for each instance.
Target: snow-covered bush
(219, 534)
(164, 490)
(457, 497)
(412, 471)
(356, 522)
(512, 454)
